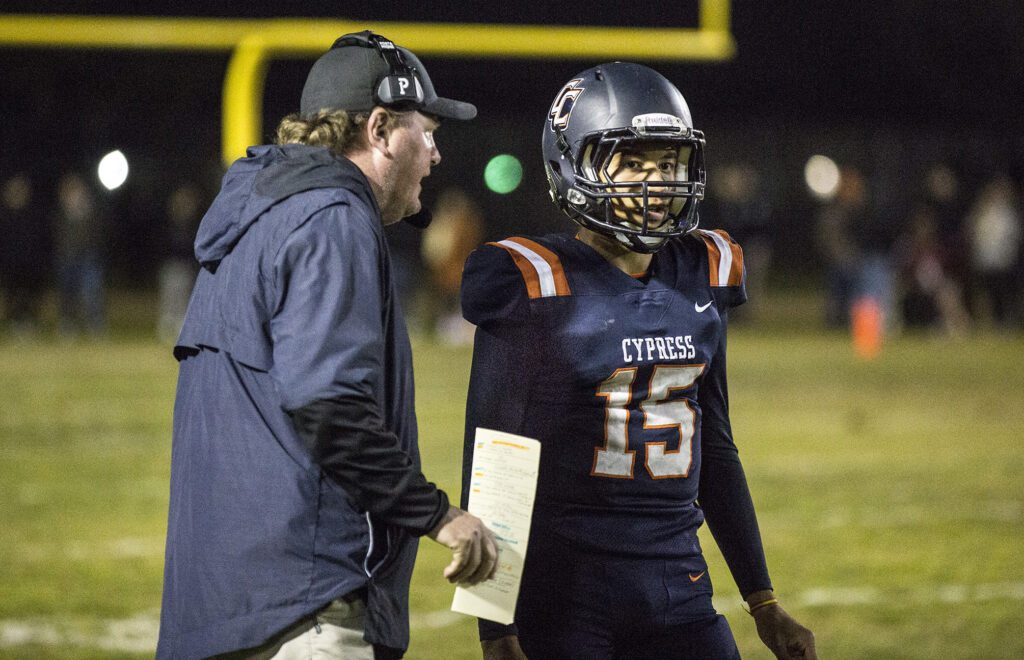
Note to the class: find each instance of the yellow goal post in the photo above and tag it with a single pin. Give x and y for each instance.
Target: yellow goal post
(254, 43)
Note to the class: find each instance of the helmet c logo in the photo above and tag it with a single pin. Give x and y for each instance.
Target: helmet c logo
(564, 103)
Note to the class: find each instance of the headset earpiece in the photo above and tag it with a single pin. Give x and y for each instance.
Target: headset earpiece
(400, 85)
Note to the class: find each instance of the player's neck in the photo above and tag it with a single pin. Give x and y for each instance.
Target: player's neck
(617, 254)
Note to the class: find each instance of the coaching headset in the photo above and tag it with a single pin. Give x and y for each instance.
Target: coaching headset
(400, 85)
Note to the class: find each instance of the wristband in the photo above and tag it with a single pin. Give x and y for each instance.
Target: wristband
(764, 603)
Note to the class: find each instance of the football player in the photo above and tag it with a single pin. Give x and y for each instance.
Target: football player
(608, 346)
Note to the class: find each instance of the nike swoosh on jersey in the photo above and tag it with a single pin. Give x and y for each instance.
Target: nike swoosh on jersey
(699, 576)
(701, 308)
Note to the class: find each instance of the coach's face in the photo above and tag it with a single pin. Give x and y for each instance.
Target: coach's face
(413, 153)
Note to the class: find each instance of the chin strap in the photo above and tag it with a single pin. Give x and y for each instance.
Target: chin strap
(643, 244)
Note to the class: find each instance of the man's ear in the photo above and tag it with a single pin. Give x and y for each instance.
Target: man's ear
(378, 129)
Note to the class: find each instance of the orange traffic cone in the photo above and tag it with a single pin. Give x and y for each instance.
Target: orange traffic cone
(866, 327)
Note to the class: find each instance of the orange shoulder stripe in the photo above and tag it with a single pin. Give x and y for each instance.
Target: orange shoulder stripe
(725, 258)
(541, 268)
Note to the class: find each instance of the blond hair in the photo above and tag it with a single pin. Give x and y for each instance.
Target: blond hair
(338, 130)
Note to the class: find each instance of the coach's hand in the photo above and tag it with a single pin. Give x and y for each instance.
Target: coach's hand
(781, 633)
(474, 551)
(503, 648)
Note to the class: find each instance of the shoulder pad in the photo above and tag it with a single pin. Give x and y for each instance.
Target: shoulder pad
(725, 257)
(501, 278)
(540, 267)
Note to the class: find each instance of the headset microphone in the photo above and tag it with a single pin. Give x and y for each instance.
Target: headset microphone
(420, 219)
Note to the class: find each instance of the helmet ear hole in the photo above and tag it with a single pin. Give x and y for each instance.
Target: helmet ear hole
(555, 179)
(553, 168)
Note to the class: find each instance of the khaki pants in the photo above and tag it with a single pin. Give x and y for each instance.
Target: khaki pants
(333, 633)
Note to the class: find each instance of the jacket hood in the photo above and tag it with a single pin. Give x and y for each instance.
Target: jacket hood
(267, 175)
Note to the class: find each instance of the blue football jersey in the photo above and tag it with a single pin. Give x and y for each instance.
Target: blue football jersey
(621, 378)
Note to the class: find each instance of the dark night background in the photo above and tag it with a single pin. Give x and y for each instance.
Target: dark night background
(890, 87)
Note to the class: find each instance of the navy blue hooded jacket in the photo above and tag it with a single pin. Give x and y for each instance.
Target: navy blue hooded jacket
(295, 469)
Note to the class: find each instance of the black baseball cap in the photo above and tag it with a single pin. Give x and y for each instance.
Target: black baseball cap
(363, 70)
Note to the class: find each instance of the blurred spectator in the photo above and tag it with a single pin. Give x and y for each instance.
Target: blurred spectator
(995, 235)
(854, 246)
(79, 232)
(942, 192)
(23, 253)
(178, 268)
(928, 296)
(404, 245)
(455, 231)
(738, 204)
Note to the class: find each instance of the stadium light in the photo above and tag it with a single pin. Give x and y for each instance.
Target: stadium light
(113, 170)
(822, 177)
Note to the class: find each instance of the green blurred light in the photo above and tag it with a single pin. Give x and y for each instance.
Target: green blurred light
(503, 173)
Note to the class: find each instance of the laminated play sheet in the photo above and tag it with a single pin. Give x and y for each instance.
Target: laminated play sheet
(502, 488)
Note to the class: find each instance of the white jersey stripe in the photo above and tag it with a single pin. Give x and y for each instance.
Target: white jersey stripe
(544, 274)
(725, 263)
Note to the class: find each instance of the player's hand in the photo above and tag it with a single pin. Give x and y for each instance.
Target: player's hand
(474, 550)
(503, 648)
(781, 633)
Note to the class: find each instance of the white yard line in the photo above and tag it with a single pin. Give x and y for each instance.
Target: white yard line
(138, 634)
(142, 547)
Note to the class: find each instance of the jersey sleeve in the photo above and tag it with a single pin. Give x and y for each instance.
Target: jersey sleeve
(500, 280)
(727, 273)
(499, 382)
(498, 374)
(496, 290)
(723, 492)
(493, 289)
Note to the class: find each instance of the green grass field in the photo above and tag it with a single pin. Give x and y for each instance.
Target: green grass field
(890, 493)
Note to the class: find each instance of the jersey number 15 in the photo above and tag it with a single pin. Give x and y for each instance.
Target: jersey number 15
(615, 459)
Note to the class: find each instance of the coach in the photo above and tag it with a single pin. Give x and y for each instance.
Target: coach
(296, 492)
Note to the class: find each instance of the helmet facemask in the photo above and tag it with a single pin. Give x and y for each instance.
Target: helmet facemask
(594, 197)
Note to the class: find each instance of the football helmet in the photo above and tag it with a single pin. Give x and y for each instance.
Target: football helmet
(605, 110)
